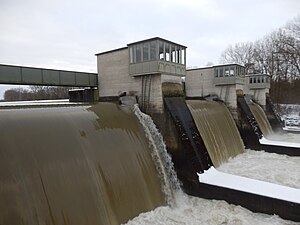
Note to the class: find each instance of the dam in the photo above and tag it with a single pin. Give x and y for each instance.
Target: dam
(75, 165)
(100, 163)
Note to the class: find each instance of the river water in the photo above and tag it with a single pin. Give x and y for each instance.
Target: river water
(279, 169)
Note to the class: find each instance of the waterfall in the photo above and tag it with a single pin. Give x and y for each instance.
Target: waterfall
(160, 156)
(82, 165)
(261, 119)
(217, 129)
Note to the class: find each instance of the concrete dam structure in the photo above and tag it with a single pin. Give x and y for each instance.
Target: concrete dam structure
(75, 165)
(219, 139)
(105, 163)
(258, 133)
(218, 130)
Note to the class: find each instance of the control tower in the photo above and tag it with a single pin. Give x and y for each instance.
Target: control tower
(149, 69)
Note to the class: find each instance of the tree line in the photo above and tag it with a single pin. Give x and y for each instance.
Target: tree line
(277, 54)
(36, 93)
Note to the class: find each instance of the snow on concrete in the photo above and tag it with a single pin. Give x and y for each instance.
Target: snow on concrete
(265, 141)
(291, 128)
(217, 178)
(38, 102)
(264, 166)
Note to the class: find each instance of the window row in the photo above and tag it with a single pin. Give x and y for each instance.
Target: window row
(230, 71)
(259, 79)
(157, 50)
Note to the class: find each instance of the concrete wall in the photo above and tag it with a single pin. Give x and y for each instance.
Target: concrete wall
(259, 94)
(199, 82)
(170, 79)
(114, 78)
(227, 93)
(113, 75)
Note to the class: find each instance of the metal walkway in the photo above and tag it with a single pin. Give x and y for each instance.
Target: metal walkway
(46, 77)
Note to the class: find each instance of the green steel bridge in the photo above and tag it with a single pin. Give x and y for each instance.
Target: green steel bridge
(21, 75)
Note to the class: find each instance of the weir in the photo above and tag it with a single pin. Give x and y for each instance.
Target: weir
(219, 137)
(104, 164)
(190, 155)
(75, 165)
(217, 129)
(257, 133)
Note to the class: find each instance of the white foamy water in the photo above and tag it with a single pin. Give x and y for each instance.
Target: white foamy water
(270, 167)
(197, 211)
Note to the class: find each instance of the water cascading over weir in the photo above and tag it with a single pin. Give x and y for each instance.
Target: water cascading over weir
(259, 134)
(76, 165)
(217, 129)
(209, 134)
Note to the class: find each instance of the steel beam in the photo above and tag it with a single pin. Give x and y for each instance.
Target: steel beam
(46, 77)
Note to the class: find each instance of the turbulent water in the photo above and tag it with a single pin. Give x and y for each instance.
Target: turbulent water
(196, 211)
(75, 165)
(102, 164)
(217, 129)
(266, 128)
(270, 167)
(279, 169)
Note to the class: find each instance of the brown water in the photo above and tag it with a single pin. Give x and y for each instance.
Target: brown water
(217, 129)
(261, 119)
(75, 165)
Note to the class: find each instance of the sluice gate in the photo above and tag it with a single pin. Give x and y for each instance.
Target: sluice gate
(273, 117)
(191, 157)
(185, 123)
(254, 125)
(217, 129)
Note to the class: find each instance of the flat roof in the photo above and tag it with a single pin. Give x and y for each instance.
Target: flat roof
(156, 38)
(110, 51)
(214, 66)
(137, 42)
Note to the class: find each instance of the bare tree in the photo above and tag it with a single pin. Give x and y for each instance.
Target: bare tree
(36, 93)
(241, 53)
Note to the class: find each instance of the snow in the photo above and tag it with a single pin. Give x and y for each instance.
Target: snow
(220, 179)
(265, 141)
(38, 102)
(291, 128)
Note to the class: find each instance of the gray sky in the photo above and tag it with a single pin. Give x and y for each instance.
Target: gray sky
(66, 34)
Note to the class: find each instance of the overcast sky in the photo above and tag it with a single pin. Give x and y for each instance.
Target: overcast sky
(65, 34)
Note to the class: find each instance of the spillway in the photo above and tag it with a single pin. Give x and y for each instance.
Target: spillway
(217, 129)
(261, 119)
(266, 128)
(75, 165)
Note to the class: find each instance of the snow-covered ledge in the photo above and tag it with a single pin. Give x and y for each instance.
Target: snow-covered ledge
(220, 179)
(265, 141)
